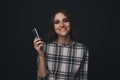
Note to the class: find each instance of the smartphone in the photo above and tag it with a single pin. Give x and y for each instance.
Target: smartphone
(35, 32)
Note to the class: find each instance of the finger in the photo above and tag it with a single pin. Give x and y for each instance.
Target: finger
(40, 46)
(39, 42)
(36, 40)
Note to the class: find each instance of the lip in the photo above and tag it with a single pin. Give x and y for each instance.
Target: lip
(62, 29)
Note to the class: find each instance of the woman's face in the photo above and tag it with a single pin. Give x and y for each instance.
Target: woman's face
(61, 25)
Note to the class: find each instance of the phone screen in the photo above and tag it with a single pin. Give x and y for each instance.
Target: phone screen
(35, 32)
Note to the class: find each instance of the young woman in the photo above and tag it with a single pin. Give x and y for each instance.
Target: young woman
(62, 56)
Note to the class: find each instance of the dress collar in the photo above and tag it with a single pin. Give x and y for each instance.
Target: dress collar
(73, 42)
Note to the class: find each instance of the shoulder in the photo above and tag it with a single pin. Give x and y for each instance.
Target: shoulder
(80, 45)
(50, 43)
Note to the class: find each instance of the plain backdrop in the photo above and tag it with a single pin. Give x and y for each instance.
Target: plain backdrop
(97, 22)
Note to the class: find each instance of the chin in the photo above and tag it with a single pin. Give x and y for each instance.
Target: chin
(63, 35)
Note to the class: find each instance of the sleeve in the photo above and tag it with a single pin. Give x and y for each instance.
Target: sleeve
(42, 78)
(82, 73)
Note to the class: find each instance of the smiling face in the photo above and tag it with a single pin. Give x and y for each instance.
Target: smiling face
(61, 25)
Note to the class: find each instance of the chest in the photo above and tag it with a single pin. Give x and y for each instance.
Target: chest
(64, 59)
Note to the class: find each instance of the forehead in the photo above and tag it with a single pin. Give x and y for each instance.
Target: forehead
(59, 16)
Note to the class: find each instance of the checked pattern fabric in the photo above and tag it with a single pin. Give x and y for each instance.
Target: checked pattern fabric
(65, 62)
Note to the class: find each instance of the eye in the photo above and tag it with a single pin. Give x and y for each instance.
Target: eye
(66, 20)
(56, 22)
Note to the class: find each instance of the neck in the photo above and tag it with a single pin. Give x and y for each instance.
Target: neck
(64, 40)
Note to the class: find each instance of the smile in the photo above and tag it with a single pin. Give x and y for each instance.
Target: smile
(63, 29)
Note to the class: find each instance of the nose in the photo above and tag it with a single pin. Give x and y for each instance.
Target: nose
(61, 24)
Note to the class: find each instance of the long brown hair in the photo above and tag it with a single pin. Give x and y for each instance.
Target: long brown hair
(52, 36)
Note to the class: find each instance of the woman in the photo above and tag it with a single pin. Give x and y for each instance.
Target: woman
(62, 56)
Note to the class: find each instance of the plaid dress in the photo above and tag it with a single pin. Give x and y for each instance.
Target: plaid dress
(65, 62)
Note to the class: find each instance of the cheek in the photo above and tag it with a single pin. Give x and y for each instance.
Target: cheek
(55, 28)
(69, 27)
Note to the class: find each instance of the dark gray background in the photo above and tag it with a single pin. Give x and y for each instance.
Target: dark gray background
(98, 26)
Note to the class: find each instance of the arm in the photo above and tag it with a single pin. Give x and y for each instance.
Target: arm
(38, 45)
(83, 70)
(41, 68)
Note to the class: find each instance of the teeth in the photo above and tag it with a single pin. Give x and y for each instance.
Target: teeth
(62, 29)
